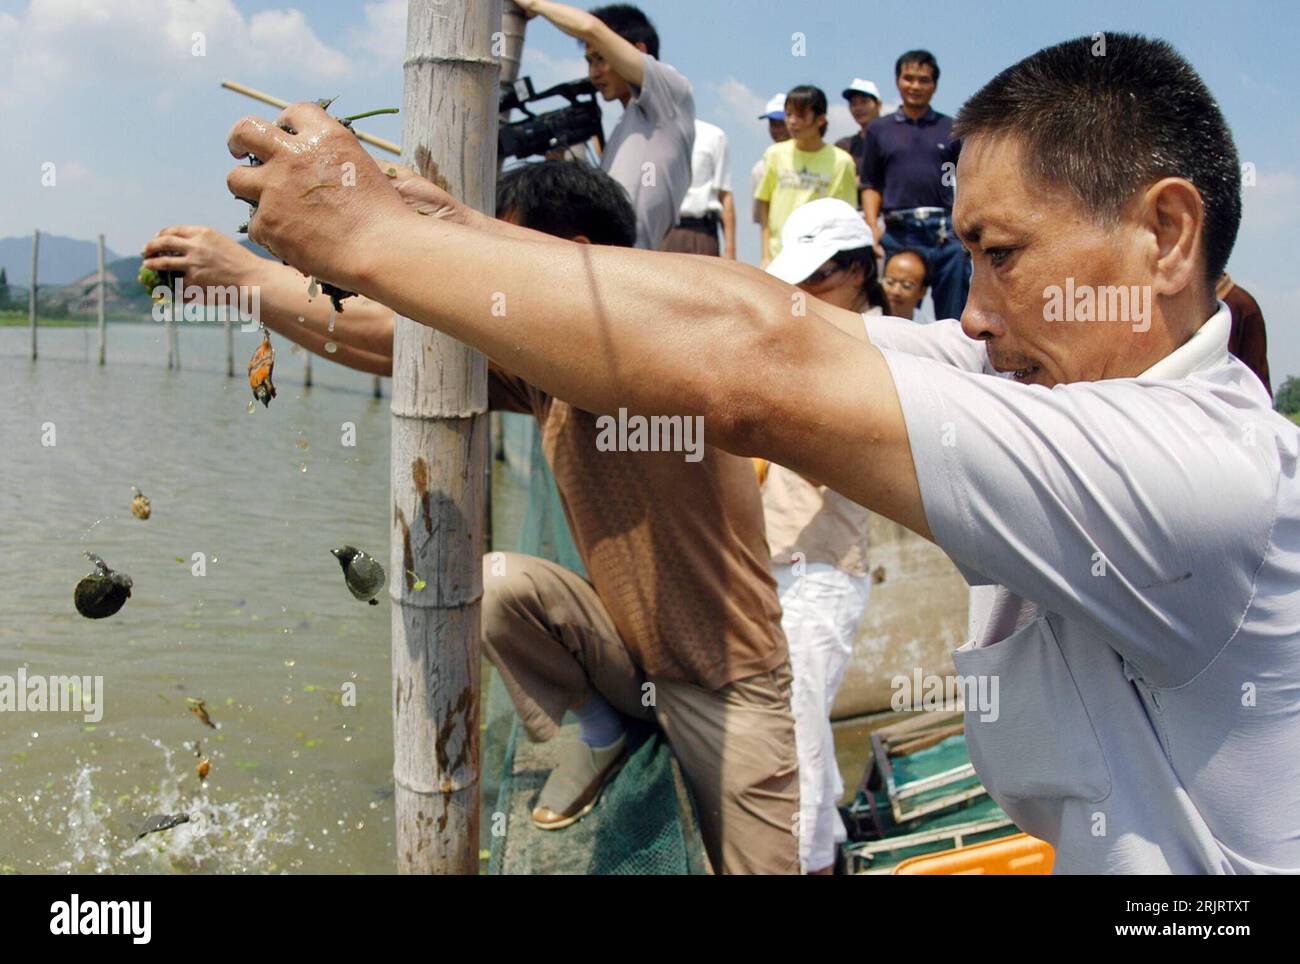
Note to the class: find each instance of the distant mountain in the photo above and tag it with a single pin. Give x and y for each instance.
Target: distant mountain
(62, 260)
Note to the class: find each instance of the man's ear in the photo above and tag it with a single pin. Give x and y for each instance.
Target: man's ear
(580, 239)
(1175, 216)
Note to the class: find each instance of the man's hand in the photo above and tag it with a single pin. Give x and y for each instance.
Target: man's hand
(323, 205)
(424, 197)
(204, 255)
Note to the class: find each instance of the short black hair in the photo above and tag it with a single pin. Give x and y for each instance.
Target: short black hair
(925, 262)
(921, 58)
(1108, 125)
(865, 258)
(631, 24)
(807, 97)
(567, 199)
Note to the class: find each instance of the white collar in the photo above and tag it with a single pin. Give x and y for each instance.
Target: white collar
(1206, 347)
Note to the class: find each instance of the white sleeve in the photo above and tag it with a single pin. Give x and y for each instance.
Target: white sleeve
(1141, 508)
(722, 168)
(942, 341)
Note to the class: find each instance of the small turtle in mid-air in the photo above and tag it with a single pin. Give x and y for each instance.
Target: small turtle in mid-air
(162, 821)
(365, 576)
(141, 507)
(103, 592)
(200, 709)
(260, 367)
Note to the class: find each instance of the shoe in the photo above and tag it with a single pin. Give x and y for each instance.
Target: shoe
(574, 785)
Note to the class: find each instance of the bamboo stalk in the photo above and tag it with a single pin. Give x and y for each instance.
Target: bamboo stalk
(100, 306)
(439, 446)
(379, 142)
(230, 348)
(306, 370)
(31, 294)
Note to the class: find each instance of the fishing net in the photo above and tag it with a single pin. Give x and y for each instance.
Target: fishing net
(644, 822)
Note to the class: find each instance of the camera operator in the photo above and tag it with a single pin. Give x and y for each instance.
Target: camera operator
(649, 151)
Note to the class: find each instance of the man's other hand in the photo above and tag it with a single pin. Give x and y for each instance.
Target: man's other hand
(424, 197)
(204, 255)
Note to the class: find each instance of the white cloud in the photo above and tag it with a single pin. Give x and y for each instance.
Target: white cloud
(547, 71)
(740, 102)
(385, 31)
(285, 33)
(49, 44)
(1272, 201)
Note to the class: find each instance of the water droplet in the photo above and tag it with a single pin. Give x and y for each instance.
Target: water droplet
(313, 289)
(302, 444)
(302, 466)
(252, 406)
(331, 324)
(291, 663)
(301, 319)
(331, 347)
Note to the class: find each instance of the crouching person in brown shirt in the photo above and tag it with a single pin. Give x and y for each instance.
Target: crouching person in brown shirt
(680, 621)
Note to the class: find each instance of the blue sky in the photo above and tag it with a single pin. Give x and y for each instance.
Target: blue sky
(110, 93)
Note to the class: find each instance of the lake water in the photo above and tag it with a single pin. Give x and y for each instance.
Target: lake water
(268, 637)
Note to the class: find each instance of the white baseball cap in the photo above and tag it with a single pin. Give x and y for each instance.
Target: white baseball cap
(813, 234)
(860, 86)
(775, 109)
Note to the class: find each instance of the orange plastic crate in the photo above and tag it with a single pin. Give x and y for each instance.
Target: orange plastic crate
(1017, 854)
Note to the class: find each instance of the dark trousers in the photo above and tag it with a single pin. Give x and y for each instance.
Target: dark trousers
(694, 236)
(949, 263)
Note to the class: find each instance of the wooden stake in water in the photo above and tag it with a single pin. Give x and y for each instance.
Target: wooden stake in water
(99, 313)
(306, 369)
(230, 348)
(31, 294)
(439, 445)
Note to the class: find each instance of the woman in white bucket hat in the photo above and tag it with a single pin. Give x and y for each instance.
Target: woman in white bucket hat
(818, 538)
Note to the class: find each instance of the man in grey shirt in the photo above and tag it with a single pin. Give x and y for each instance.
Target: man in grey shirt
(1082, 439)
(649, 151)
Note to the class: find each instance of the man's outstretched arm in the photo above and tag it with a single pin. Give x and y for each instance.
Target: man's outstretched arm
(627, 61)
(602, 328)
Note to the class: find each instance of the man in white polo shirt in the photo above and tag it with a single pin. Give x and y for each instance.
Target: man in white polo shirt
(1082, 440)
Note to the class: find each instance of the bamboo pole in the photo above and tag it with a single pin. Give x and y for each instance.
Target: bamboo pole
(379, 142)
(100, 306)
(306, 370)
(439, 445)
(230, 347)
(376, 390)
(31, 293)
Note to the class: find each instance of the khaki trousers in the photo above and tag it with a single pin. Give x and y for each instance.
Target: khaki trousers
(554, 644)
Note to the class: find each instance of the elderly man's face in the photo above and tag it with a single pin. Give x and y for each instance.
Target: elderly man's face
(1024, 237)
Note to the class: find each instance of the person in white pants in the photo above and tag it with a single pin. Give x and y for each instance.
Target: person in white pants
(818, 538)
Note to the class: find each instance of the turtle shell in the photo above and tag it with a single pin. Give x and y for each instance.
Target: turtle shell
(260, 367)
(101, 594)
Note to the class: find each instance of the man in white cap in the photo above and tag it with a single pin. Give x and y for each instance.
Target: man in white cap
(818, 537)
(864, 104)
(774, 114)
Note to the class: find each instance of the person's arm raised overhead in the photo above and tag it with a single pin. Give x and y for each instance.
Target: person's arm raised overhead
(628, 62)
(601, 327)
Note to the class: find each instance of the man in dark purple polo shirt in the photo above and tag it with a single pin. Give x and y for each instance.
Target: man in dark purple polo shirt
(908, 172)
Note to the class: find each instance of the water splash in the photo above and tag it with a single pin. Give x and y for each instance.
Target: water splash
(253, 834)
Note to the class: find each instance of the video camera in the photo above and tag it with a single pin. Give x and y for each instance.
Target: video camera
(554, 130)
